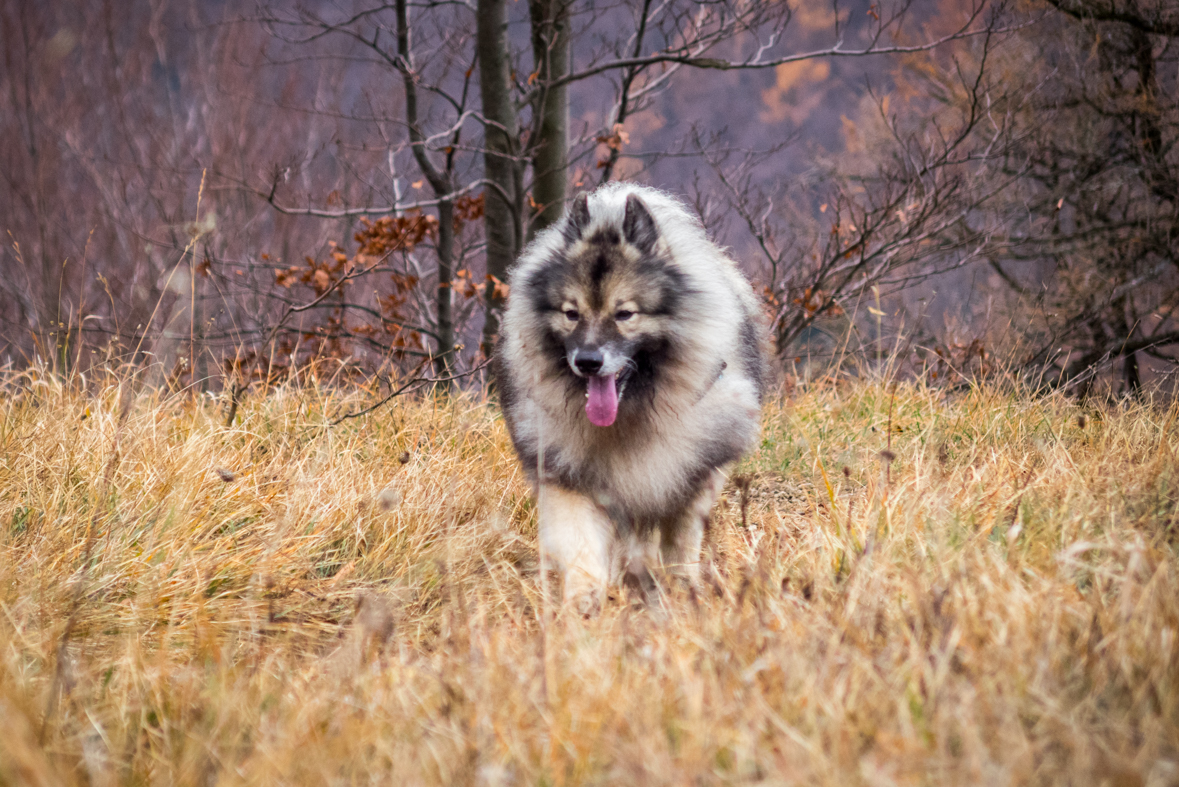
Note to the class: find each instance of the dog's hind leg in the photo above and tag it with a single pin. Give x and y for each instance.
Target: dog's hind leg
(680, 537)
(578, 536)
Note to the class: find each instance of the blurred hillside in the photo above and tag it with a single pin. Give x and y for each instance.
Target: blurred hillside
(222, 193)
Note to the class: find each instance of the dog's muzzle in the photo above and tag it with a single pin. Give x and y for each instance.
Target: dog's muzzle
(588, 362)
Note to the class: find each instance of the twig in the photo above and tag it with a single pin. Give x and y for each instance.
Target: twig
(888, 454)
(410, 383)
(236, 390)
(384, 210)
(335, 285)
(546, 684)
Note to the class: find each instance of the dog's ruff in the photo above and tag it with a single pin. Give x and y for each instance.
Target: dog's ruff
(635, 348)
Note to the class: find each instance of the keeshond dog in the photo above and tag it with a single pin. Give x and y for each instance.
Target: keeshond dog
(633, 349)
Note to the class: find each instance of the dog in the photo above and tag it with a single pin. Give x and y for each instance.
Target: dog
(632, 358)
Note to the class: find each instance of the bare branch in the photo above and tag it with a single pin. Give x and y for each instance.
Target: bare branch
(836, 50)
(392, 210)
(413, 382)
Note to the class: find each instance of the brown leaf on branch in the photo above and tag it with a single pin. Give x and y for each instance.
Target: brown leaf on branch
(394, 233)
(616, 138)
(285, 278)
(499, 289)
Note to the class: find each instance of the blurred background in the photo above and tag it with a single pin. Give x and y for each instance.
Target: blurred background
(224, 194)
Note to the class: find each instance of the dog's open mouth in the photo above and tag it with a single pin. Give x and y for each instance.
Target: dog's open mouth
(601, 397)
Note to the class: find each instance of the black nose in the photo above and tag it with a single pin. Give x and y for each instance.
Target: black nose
(589, 361)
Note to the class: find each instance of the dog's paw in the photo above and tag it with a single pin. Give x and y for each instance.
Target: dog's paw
(640, 583)
(588, 604)
(583, 593)
(585, 601)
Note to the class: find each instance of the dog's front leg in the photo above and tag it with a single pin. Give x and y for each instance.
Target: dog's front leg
(680, 537)
(578, 537)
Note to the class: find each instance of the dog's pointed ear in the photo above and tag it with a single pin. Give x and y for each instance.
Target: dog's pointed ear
(578, 219)
(638, 226)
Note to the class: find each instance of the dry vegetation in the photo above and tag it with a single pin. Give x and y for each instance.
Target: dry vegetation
(999, 606)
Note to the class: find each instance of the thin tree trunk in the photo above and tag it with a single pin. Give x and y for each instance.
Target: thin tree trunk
(1157, 174)
(550, 50)
(442, 361)
(1131, 375)
(501, 208)
(442, 183)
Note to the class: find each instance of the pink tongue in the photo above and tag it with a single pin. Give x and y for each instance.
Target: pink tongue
(602, 406)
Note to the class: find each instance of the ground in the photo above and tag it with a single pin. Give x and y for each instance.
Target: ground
(904, 585)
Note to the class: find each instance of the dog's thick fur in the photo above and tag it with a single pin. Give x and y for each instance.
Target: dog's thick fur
(634, 348)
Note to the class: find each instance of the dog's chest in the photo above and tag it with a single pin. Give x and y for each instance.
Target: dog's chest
(634, 469)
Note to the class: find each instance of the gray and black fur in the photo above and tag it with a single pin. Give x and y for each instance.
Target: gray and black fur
(628, 287)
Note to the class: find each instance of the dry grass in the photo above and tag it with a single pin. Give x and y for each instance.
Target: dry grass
(999, 607)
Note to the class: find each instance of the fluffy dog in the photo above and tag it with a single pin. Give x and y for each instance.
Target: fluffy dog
(634, 350)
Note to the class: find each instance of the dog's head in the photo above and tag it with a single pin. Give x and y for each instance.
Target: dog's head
(607, 303)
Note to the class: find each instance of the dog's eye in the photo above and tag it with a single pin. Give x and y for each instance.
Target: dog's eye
(571, 315)
(622, 315)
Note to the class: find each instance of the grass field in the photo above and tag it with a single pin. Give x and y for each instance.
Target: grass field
(903, 587)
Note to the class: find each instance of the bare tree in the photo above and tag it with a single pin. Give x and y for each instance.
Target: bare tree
(103, 172)
(1094, 249)
(386, 33)
(1079, 197)
(550, 109)
(503, 161)
(340, 174)
(908, 213)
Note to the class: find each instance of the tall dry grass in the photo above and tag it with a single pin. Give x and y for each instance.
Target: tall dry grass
(998, 604)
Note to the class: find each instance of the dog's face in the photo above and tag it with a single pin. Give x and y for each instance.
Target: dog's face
(607, 305)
